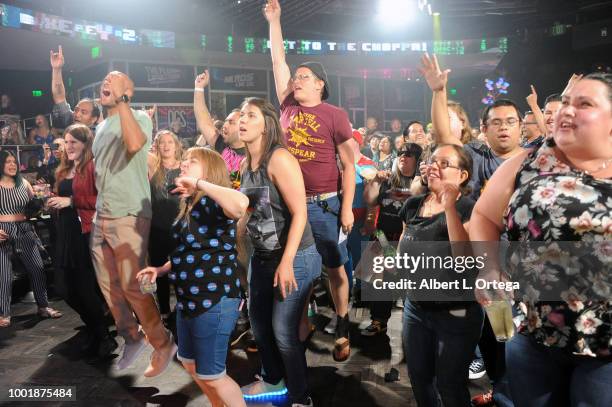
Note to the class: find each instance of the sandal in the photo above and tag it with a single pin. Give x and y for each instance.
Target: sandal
(5, 322)
(49, 312)
(342, 346)
(342, 349)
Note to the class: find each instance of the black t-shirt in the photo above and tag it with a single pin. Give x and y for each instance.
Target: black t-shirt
(220, 145)
(432, 229)
(391, 201)
(204, 267)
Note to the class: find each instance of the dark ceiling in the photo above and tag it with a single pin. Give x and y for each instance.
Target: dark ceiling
(339, 19)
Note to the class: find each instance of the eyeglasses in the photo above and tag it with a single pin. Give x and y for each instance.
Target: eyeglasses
(528, 123)
(442, 164)
(511, 122)
(301, 77)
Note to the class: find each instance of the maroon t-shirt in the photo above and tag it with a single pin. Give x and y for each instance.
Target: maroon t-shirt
(311, 135)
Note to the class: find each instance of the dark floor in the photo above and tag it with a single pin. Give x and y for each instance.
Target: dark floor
(42, 352)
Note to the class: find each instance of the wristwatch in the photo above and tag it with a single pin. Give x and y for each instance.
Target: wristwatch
(123, 99)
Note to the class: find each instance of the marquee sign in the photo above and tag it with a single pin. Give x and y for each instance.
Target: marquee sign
(16, 17)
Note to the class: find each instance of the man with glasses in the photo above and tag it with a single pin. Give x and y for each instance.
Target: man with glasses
(501, 124)
(315, 131)
(532, 136)
(85, 112)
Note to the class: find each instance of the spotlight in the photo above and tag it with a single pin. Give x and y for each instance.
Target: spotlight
(396, 12)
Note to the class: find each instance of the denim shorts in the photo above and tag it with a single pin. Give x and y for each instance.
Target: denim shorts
(324, 218)
(203, 340)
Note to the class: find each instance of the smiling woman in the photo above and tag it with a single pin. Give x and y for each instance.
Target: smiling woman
(17, 237)
(576, 165)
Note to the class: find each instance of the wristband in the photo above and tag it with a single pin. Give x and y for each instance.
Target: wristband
(197, 182)
(198, 89)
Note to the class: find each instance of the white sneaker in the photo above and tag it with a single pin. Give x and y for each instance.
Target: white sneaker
(260, 389)
(131, 351)
(330, 328)
(160, 359)
(308, 403)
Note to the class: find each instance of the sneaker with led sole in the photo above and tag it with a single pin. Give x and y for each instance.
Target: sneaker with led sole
(261, 389)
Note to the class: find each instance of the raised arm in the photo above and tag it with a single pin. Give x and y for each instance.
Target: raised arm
(532, 101)
(282, 73)
(57, 82)
(204, 121)
(234, 203)
(134, 138)
(437, 79)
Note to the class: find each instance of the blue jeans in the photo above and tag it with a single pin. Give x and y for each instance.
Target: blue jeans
(324, 221)
(275, 321)
(542, 377)
(203, 340)
(439, 347)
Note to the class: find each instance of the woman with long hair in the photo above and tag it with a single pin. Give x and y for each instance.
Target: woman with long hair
(560, 192)
(386, 154)
(203, 270)
(389, 191)
(285, 261)
(75, 202)
(18, 237)
(163, 169)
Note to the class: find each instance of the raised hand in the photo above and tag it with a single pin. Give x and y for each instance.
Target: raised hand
(57, 58)
(202, 80)
(430, 69)
(532, 98)
(272, 11)
(450, 192)
(151, 111)
(118, 85)
(572, 81)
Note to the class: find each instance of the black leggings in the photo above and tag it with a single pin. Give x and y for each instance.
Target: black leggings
(83, 294)
(161, 245)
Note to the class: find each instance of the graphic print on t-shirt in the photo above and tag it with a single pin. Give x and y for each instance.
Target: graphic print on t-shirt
(260, 225)
(300, 141)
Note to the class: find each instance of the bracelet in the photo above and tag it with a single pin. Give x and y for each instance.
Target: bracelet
(198, 89)
(198, 181)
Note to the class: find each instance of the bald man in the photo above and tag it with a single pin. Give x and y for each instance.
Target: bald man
(121, 226)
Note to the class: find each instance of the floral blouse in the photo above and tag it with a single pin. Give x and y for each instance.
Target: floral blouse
(563, 209)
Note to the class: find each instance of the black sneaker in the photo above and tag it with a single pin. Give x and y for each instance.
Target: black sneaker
(477, 369)
(375, 328)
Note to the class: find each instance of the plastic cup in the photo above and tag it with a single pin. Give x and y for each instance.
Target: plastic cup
(500, 317)
(147, 286)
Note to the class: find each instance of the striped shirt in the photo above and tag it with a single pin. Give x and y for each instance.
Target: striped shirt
(13, 200)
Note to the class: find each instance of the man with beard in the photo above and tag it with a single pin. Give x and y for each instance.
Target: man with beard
(86, 111)
(228, 144)
(121, 226)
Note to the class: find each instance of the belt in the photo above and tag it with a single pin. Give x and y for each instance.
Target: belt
(320, 197)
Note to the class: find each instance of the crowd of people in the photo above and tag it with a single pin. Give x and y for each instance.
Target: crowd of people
(284, 194)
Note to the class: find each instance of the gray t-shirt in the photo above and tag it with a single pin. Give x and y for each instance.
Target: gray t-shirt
(485, 164)
(121, 179)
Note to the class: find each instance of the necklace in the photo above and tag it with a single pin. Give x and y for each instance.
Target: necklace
(602, 167)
